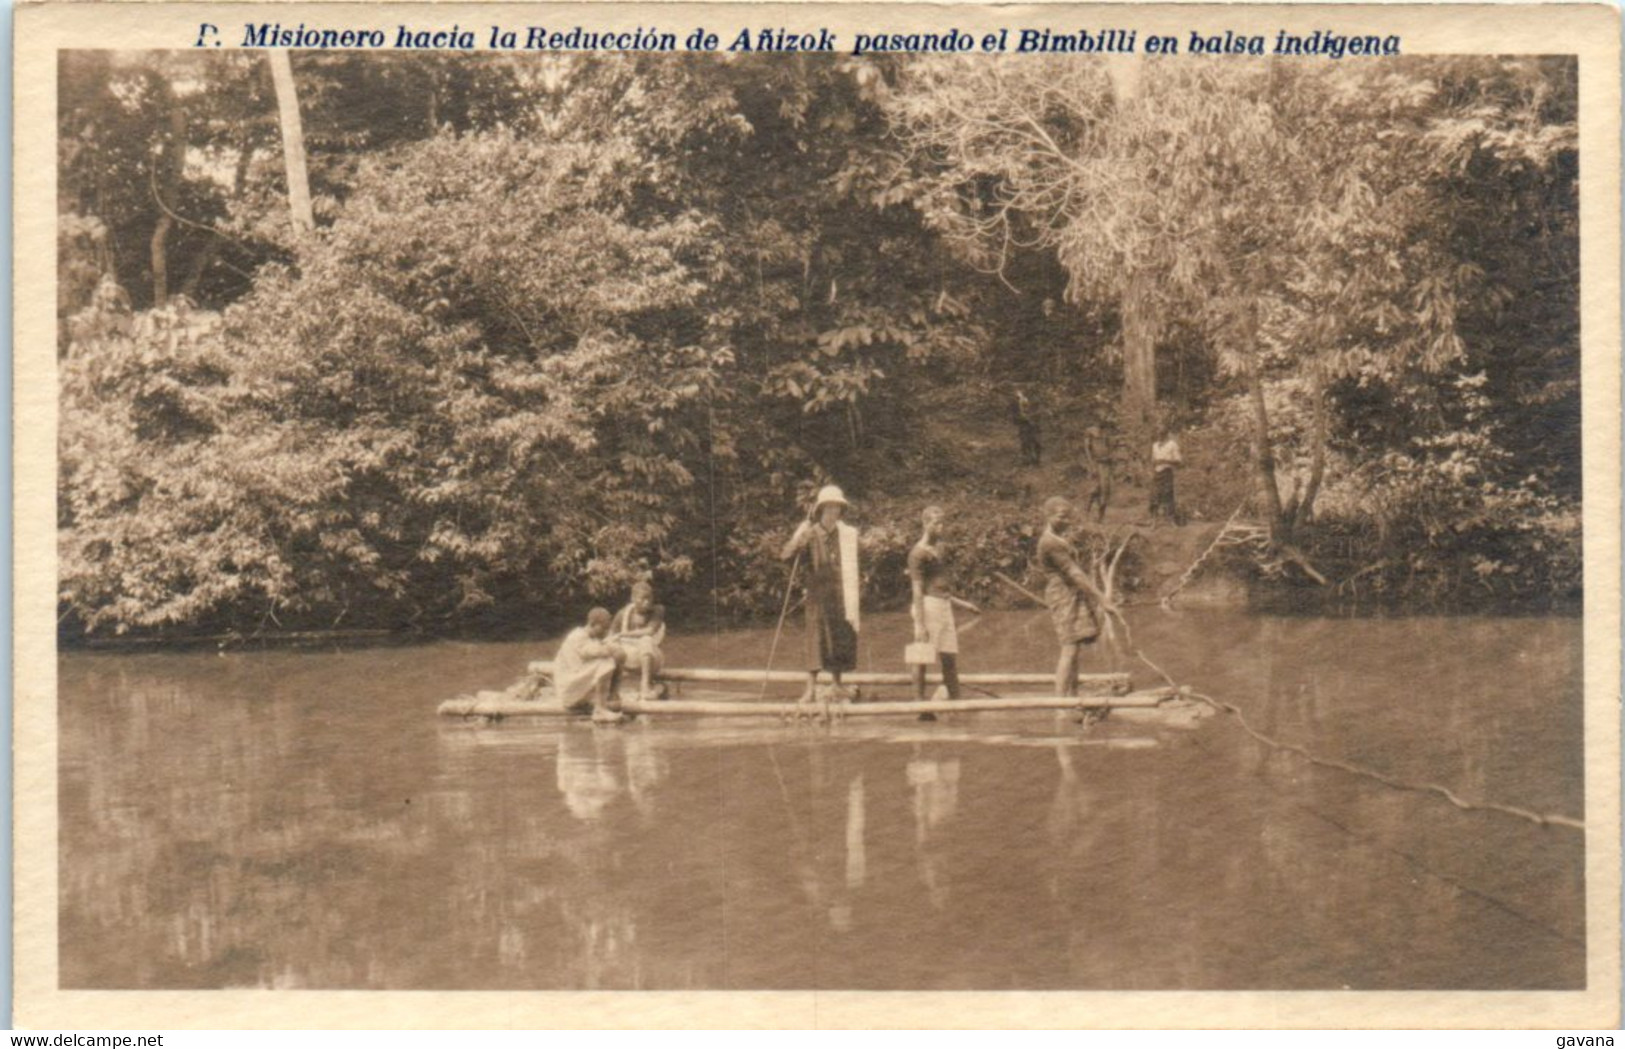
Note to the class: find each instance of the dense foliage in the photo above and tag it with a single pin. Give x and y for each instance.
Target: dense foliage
(566, 321)
(1381, 258)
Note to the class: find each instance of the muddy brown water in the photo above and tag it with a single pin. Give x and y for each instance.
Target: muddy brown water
(304, 820)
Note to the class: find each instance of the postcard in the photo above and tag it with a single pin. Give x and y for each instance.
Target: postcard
(885, 515)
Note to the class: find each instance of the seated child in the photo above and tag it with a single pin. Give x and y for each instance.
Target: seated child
(639, 629)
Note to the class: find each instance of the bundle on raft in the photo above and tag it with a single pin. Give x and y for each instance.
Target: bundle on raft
(718, 676)
(504, 704)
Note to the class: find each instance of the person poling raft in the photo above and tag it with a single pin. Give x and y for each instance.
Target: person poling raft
(586, 674)
(830, 548)
(1072, 597)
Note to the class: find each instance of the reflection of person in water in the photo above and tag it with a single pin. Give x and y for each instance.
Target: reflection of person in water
(588, 925)
(594, 770)
(936, 799)
(645, 768)
(587, 781)
(857, 856)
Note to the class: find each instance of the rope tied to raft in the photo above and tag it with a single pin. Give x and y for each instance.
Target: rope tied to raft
(1540, 818)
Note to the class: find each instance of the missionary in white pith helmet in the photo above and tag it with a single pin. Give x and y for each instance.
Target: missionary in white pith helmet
(828, 546)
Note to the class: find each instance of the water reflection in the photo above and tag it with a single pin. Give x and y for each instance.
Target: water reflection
(301, 820)
(936, 797)
(586, 779)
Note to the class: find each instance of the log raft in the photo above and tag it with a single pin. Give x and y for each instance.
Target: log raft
(716, 676)
(502, 705)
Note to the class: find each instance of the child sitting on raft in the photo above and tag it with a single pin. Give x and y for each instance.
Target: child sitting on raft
(639, 629)
(587, 669)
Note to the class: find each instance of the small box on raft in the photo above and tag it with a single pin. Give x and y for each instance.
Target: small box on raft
(919, 653)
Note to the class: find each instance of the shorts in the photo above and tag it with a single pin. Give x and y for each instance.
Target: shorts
(939, 625)
(639, 648)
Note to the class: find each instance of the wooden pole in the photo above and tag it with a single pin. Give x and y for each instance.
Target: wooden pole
(501, 706)
(544, 667)
(1028, 594)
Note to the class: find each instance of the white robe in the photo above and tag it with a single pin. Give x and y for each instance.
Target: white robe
(847, 537)
(577, 672)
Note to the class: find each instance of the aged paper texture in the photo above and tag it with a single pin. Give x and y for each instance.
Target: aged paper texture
(390, 338)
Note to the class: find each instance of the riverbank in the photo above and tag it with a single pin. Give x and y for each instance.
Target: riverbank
(958, 452)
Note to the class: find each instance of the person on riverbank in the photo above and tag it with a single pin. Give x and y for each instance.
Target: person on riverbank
(829, 547)
(640, 629)
(1165, 458)
(1021, 415)
(1071, 595)
(933, 604)
(587, 669)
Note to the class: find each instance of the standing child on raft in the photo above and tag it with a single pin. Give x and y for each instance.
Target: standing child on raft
(933, 605)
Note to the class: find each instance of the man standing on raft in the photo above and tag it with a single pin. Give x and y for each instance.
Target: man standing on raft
(933, 605)
(831, 549)
(1068, 591)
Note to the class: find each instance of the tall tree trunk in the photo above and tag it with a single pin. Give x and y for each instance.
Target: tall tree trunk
(293, 140)
(1138, 405)
(1139, 321)
(1263, 452)
(168, 166)
(159, 249)
(1317, 453)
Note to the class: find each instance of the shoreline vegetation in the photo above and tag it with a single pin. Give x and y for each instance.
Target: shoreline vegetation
(413, 346)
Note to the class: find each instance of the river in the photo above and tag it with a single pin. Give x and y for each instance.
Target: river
(302, 819)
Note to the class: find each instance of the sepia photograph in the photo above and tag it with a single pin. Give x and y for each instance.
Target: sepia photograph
(1103, 512)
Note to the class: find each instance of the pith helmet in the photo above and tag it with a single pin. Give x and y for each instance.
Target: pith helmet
(829, 494)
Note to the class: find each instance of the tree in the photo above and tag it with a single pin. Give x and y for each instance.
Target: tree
(504, 364)
(293, 139)
(175, 153)
(1300, 219)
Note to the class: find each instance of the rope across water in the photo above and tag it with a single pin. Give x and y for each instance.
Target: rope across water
(1541, 818)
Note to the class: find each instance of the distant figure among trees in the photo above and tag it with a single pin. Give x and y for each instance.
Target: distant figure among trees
(1165, 458)
(1098, 469)
(1021, 415)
